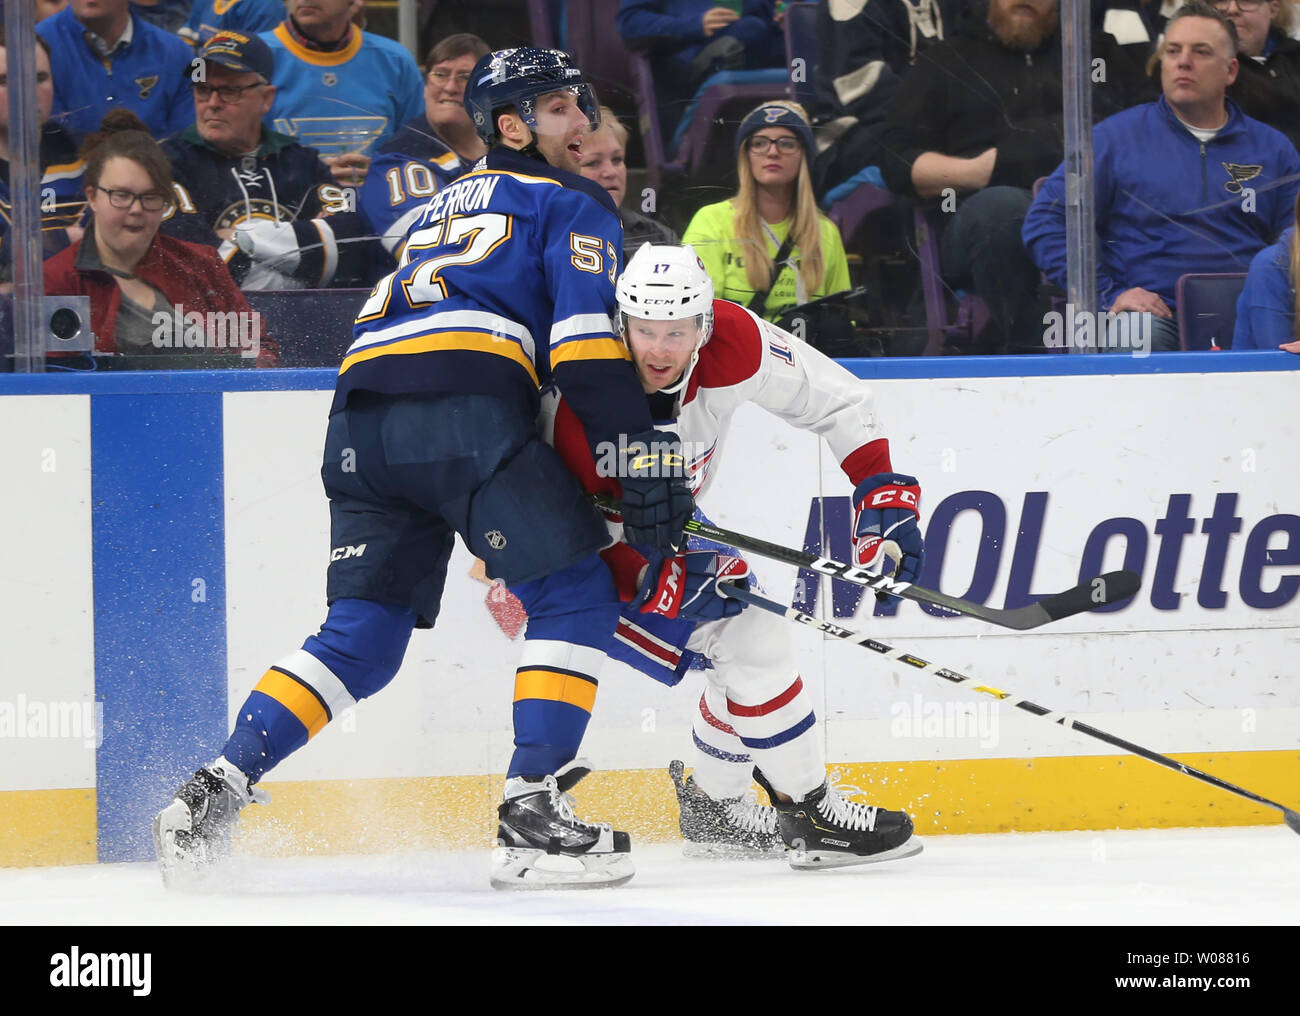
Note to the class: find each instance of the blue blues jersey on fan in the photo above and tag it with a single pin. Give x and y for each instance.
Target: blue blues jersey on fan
(207, 17)
(347, 100)
(412, 167)
(506, 282)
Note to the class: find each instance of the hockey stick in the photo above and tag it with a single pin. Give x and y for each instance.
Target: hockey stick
(1089, 595)
(890, 653)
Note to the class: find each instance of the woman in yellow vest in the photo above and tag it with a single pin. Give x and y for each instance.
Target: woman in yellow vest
(770, 238)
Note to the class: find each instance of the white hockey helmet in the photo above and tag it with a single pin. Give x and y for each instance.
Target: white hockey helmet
(666, 283)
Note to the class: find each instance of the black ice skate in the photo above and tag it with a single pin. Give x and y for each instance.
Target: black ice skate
(541, 844)
(825, 830)
(735, 828)
(194, 831)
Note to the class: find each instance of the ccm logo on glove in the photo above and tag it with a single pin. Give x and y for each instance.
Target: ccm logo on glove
(885, 516)
(686, 586)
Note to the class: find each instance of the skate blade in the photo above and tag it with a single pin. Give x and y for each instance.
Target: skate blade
(810, 860)
(517, 868)
(176, 867)
(731, 852)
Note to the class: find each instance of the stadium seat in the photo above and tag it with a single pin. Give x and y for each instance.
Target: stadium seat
(801, 44)
(1207, 309)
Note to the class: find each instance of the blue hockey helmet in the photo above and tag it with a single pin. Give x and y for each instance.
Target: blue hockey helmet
(517, 77)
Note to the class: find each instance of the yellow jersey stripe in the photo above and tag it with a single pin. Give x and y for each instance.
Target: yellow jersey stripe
(475, 342)
(555, 687)
(588, 349)
(295, 697)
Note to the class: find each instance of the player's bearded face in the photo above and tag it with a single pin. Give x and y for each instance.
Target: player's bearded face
(661, 350)
(561, 129)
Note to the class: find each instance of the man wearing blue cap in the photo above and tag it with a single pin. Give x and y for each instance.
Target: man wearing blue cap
(230, 170)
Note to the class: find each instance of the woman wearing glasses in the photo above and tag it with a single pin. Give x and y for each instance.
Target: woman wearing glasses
(1268, 79)
(768, 248)
(135, 278)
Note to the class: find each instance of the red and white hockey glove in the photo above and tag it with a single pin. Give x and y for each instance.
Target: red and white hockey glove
(685, 586)
(886, 510)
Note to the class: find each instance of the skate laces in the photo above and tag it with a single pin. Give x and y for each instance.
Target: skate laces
(563, 804)
(749, 815)
(850, 814)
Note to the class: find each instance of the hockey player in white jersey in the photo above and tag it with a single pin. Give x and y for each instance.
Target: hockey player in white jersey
(699, 360)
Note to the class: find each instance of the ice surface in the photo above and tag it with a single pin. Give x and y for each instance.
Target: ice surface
(1163, 877)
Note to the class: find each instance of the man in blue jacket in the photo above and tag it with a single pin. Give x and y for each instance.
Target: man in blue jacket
(104, 55)
(1184, 184)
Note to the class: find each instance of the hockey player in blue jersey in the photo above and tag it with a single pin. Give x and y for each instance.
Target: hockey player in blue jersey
(507, 283)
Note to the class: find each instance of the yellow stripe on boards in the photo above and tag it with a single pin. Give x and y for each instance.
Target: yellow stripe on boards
(459, 812)
(47, 827)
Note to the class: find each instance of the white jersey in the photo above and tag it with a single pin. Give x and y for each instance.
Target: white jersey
(746, 359)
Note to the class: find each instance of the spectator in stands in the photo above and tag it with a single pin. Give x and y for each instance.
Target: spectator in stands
(768, 247)
(62, 201)
(863, 50)
(974, 124)
(1268, 82)
(168, 15)
(447, 70)
(1184, 184)
(103, 55)
(1266, 307)
(339, 90)
(425, 155)
(688, 40)
(229, 169)
(135, 278)
(604, 161)
(207, 17)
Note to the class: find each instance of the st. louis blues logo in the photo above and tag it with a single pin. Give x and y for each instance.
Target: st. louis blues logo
(146, 84)
(774, 113)
(1239, 174)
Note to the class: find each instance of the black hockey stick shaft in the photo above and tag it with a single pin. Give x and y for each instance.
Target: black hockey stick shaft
(1097, 592)
(888, 652)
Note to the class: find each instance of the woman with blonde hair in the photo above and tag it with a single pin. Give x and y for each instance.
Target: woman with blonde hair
(769, 248)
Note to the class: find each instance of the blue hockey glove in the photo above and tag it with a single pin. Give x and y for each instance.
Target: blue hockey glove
(657, 499)
(884, 523)
(686, 586)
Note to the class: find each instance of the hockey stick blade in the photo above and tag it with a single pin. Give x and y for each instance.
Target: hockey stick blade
(889, 652)
(1097, 592)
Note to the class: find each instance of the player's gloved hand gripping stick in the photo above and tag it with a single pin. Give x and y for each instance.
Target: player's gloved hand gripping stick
(657, 500)
(1089, 595)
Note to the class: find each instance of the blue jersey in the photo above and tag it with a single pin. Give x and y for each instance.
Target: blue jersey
(349, 100)
(207, 17)
(63, 198)
(150, 76)
(506, 283)
(412, 167)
